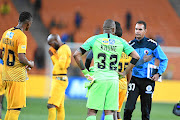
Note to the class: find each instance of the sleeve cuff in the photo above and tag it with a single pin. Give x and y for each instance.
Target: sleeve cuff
(53, 57)
(159, 73)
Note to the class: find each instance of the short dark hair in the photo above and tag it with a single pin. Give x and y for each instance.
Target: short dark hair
(142, 22)
(118, 29)
(25, 16)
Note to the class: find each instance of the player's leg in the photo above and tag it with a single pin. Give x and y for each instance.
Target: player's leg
(2, 91)
(115, 115)
(57, 95)
(102, 116)
(133, 93)
(146, 98)
(61, 110)
(7, 112)
(7, 115)
(91, 114)
(60, 113)
(14, 114)
(122, 96)
(96, 99)
(51, 112)
(108, 114)
(1, 98)
(112, 99)
(16, 98)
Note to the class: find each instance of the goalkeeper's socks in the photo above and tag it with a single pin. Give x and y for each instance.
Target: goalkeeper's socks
(14, 114)
(108, 117)
(52, 113)
(91, 118)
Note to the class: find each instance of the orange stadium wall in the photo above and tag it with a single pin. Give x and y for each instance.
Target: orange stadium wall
(166, 91)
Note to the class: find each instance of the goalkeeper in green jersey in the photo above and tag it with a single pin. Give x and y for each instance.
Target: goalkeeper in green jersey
(107, 49)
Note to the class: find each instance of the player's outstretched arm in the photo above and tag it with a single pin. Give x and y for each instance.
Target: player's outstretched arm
(24, 60)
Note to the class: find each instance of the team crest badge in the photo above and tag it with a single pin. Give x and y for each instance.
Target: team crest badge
(148, 89)
(146, 52)
(111, 41)
(9, 35)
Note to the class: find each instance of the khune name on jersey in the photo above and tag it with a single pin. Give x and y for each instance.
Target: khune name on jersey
(108, 48)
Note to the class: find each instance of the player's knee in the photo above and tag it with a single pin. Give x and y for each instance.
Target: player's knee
(19, 109)
(50, 106)
(92, 112)
(108, 112)
(128, 111)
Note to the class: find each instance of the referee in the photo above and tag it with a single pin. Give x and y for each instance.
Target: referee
(140, 84)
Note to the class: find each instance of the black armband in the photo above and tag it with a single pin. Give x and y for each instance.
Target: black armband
(82, 50)
(134, 61)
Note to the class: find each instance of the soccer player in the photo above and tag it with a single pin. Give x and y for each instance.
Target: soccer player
(61, 57)
(123, 63)
(107, 49)
(13, 47)
(140, 84)
(123, 82)
(2, 91)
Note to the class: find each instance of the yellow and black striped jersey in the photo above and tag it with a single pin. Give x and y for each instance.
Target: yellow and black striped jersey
(13, 41)
(61, 59)
(123, 63)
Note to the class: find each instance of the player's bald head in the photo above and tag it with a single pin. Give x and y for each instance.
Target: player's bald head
(109, 25)
(52, 37)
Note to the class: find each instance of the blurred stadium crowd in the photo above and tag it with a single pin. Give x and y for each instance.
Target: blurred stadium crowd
(75, 21)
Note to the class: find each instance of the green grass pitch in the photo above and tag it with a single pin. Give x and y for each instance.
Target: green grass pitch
(76, 110)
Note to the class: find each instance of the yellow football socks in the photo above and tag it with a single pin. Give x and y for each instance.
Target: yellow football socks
(13, 114)
(52, 113)
(60, 113)
(108, 117)
(7, 115)
(119, 119)
(91, 118)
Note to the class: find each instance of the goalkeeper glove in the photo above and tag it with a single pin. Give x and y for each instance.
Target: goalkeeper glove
(87, 74)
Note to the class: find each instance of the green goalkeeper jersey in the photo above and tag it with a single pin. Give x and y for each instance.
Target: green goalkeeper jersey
(107, 50)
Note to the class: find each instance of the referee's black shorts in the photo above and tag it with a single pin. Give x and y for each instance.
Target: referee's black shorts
(143, 87)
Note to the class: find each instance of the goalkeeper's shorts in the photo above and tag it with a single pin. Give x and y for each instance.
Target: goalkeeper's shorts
(103, 95)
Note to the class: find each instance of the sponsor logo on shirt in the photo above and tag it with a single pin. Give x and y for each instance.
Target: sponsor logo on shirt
(106, 41)
(111, 41)
(9, 35)
(23, 46)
